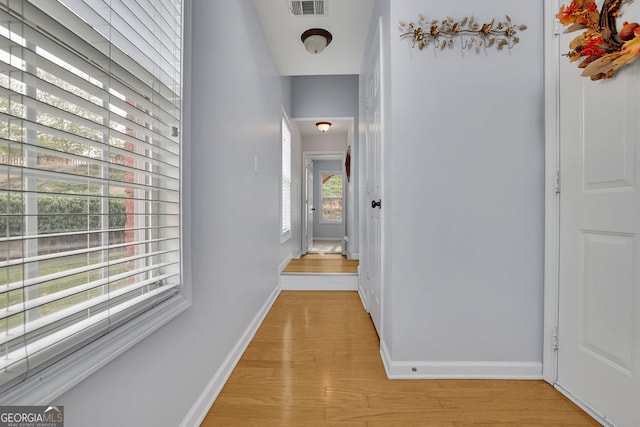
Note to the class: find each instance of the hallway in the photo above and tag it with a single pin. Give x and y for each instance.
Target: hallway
(322, 263)
(315, 361)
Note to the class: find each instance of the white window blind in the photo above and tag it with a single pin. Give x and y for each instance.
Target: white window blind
(89, 172)
(286, 180)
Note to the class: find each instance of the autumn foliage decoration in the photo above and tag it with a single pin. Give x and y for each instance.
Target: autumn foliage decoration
(600, 48)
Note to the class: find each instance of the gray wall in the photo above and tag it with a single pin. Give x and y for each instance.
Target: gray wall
(324, 230)
(234, 116)
(463, 191)
(328, 96)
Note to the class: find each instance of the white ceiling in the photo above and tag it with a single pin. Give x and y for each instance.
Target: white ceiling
(346, 20)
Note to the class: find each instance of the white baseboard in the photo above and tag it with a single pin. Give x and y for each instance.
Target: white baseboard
(459, 370)
(363, 300)
(284, 263)
(203, 403)
(319, 282)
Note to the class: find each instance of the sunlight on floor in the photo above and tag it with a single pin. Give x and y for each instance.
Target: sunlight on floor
(326, 247)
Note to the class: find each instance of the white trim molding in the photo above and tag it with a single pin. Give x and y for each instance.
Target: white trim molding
(552, 199)
(44, 388)
(506, 370)
(203, 403)
(284, 263)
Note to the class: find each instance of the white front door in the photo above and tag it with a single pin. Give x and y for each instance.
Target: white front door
(308, 205)
(599, 296)
(373, 144)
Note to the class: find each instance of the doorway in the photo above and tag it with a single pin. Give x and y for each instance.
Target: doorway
(324, 202)
(328, 212)
(328, 256)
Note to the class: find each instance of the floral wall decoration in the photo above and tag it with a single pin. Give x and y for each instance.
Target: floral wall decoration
(443, 33)
(601, 49)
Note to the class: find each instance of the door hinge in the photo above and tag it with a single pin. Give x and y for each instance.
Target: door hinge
(556, 186)
(554, 340)
(556, 32)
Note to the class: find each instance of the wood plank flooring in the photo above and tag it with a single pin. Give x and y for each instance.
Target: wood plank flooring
(322, 263)
(315, 362)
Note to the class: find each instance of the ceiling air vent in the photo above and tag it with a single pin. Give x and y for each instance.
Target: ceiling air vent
(307, 7)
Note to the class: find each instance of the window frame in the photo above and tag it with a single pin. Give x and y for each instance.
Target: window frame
(286, 232)
(321, 197)
(62, 375)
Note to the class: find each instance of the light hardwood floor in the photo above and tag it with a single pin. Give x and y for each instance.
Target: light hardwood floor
(322, 263)
(315, 362)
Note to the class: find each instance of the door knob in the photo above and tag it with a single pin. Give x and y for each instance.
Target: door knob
(377, 204)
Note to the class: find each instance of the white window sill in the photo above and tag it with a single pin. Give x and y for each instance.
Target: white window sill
(52, 382)
(285, 238)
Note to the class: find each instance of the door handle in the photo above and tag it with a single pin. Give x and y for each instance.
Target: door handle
(313, 209)
(377, 204)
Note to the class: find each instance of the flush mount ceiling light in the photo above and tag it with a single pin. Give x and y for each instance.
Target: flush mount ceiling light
(316, 39)
(323, 126)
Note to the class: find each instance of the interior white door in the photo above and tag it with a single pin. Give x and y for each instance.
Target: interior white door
(309, 208)
(373, 182)
(599, 295)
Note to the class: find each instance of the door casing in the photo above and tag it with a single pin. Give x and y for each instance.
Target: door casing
(309, 156)
(371, 285)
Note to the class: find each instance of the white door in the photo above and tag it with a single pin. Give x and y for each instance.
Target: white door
(599, 296)
(308, 204)
(373, 208)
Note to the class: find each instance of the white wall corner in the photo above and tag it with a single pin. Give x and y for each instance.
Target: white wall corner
(284, 263)
(459, 370)
(203, 403)
(363, 299)
(386, 358)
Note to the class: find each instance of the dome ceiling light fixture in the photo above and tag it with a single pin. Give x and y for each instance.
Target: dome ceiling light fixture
(323, 126)
(316, 39)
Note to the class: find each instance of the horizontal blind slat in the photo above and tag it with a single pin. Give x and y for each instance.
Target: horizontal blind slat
(97, 71)
(170, 170)
(11, 335)
(86, 233)
(71, 27)
(89, 180)
(43, 300)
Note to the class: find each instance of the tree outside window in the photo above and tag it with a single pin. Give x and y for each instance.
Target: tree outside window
(332, 184)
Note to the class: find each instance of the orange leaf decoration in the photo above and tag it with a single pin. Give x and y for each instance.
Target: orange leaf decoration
(600, 48)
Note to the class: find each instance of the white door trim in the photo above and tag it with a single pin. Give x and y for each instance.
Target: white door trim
(552, 205)
(309, 156)
(375, 306)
